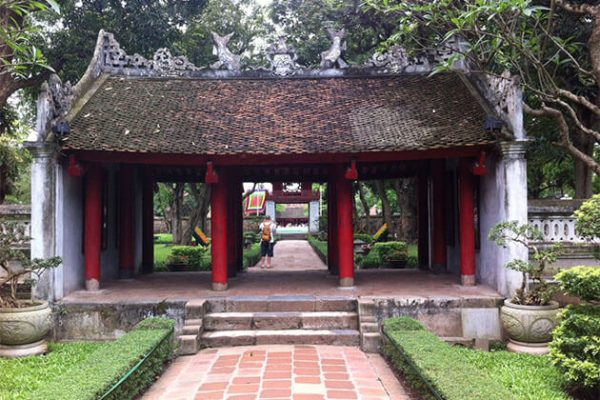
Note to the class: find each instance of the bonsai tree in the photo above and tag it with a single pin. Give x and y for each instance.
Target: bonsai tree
(539, 292)
(16, 267)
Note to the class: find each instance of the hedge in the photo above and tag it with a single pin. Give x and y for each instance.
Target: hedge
(251, 255)
(575, 348)
(434, 368)
(121, 370)
(583, 282)
(319, 246)
(194, 256)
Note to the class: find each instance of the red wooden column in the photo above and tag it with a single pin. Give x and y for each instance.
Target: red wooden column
(126, 221)
(93, 226)
(219, 228)
(345, 228)
(439, 216)
(423, 221)
(467, 223)
(332, 236)
(147, 224)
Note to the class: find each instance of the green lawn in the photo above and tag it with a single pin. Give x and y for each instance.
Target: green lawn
(21, 376)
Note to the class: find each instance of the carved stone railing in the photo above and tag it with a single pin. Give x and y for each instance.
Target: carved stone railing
(555, 219)
(17, 220)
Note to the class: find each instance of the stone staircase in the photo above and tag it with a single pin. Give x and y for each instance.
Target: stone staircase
(258, 320)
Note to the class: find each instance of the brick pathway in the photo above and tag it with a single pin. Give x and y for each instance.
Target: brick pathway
(293, 255)
(278, 372)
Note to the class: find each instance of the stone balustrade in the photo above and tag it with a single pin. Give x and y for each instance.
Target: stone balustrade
(555, 219)
(16, 219)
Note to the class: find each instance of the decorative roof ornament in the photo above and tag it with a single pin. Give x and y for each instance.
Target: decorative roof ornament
(396, 60)
(164, 61)
(116, 57)
(226, 58)
(283, 58)
(334, 56)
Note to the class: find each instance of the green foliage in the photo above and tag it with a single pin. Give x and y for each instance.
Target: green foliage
(390, 251)
(588, 218)
(11, 274)
(22, 376)
(403, 324)
(153, 323)
(251, 255)
(575, 348)
(540, 292)
(583, 282)
(371, 260)
(192, 256)
(454, 373)
(365, 237)
(96, 375)
(251, 238)
(163, 238)
(319, 246)
(17, 33)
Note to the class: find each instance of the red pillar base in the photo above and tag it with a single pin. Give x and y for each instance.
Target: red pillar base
(467, 280)
(92, 285)
(347, 283)
(219, 287)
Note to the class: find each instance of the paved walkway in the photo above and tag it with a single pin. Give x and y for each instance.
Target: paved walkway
(278, 372)
(293, 255)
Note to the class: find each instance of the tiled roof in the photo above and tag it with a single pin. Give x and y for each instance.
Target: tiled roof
(279, 116)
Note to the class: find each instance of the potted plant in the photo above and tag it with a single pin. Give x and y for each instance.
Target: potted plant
(177, 262)
(393, 254)
(531, 315)
(23, 322)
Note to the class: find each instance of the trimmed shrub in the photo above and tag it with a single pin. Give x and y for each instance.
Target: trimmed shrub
(575, 348)
(588, 218)
(365, 237)
(392, 251)
(142, 353)
(251, 255)
(434, 368)
(319, 246)
(371, 260)
(189, 255)
(440, 371)
(583, 282)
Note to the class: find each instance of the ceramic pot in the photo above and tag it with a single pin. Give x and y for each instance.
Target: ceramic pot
(529, 324)
(22, 330)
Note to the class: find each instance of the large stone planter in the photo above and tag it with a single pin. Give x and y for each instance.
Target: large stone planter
(529, 327)
(22, 330)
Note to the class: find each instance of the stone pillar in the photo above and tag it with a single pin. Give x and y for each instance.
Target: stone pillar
(345, 228)
(43, 216)
(270, 209)
(313, 216)
(218, 206)
(439, 249)
(423, 221)
(92, 246)
(147, 225)
(467, 223)
(515, 208)
(126, 221)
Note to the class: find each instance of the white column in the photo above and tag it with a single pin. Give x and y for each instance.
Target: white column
(44, 216)
(313, 216)
(270, 209)
(515, 208)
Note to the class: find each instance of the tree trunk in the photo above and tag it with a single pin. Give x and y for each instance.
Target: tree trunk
(386, 208)
(176, 223)
(584, 174)
(365, 206)
(405, 191)
(198, 217)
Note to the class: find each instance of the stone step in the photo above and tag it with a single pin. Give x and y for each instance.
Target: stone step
(370, 342)
(369, 327)
(339, 337)
(194, 321)
(299, 303)
(191, 329)
(195, 309)
(188, 344)
(279, 320)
